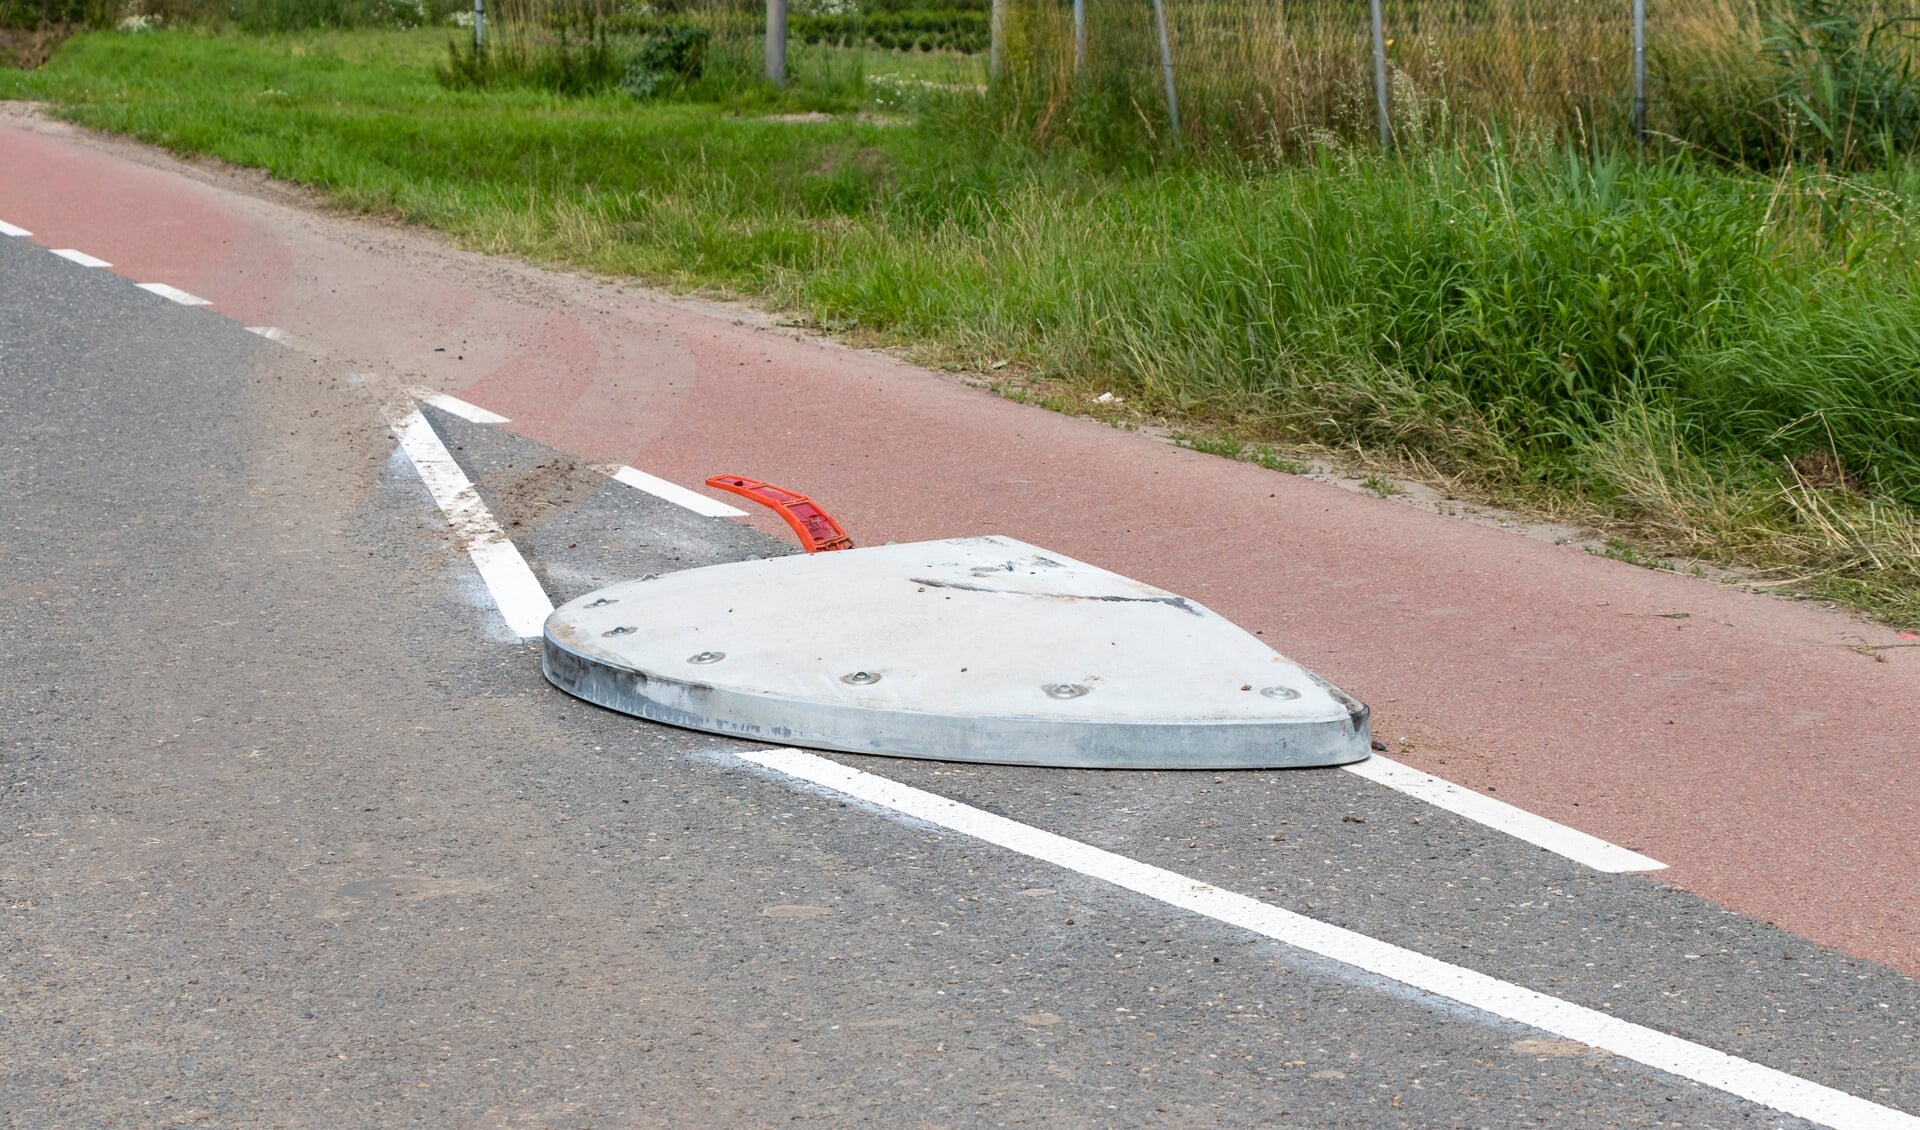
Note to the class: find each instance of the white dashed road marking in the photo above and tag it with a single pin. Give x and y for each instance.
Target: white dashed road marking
(1502, 817)
(80, 257)
(175, 294)
(1684, 1058)
(630, 476)
(9, 229)
(453, 405)
(676, 494)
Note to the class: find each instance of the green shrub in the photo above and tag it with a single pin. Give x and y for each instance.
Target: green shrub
(892, 7)
(953, 29)
(44, 13)
(296, 15)
(676, 55)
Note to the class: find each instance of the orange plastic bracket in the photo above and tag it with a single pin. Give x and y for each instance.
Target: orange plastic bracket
(815, 527)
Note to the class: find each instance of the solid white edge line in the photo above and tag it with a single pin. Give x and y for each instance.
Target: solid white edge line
(453, 405)
(516, 591)
(174, 293)
(1503, 817)
(1697, 1062)
(676, 494)
(80, 257)
(10, 229)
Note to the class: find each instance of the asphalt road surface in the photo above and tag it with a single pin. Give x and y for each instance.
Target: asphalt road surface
(294, 833)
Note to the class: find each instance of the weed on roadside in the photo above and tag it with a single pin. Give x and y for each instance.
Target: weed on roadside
(1380, 486)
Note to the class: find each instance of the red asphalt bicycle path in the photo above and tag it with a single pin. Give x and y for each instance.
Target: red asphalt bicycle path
(1750, 744)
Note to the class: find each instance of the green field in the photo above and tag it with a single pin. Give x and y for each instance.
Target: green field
(1691, 359)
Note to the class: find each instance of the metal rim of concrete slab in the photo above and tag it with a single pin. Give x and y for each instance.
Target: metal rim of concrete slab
(993, 741)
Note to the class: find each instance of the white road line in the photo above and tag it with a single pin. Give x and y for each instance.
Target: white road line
(1697, 1062)
(273, 333)
(1502, 817)
(515, 589)
(676, 494)
(9, 229)
(80, 257)
(633, 477)
(175, 293)
(455, 406)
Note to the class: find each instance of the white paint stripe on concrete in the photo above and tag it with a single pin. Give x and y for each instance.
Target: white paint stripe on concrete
(9, 229)
(1502, 817)
(1684, 1058)
(515, 589)
(455, 406)
(676, 494)
(273, 333)
(175, 294)
(80, 257)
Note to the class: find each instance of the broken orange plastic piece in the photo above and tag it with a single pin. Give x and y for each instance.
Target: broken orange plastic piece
(815, 527)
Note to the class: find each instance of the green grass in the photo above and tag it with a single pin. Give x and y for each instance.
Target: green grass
(1695, 361)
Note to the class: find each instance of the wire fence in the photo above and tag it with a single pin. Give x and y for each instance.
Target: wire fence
(1751, 79)
(1756, 82)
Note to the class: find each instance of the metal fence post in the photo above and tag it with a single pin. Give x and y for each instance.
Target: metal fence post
(1640, 70)
(1166, 66)
(777, 42)
(997, 34)
(479, 25)
(1380, 74)
(1079, 35)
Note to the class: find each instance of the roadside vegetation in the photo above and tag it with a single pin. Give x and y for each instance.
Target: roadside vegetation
(1707, 347)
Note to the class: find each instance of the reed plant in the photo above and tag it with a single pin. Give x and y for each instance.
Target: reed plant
(1765, 82)
(568, 47)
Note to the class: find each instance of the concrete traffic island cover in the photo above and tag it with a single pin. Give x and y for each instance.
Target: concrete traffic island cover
(981, 649)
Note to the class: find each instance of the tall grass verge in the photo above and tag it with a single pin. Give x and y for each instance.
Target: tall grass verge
(1264, 78)
(1759, 83)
